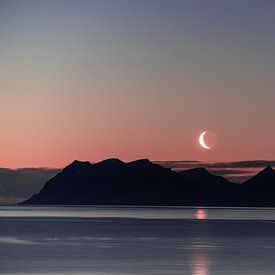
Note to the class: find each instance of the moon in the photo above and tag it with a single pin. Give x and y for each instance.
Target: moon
(202, 142)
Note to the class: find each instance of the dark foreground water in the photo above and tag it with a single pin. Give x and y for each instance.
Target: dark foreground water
(131, 240)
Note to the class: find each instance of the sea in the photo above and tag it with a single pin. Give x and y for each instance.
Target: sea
(136, 240)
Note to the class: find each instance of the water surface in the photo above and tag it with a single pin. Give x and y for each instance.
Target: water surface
(136, 240)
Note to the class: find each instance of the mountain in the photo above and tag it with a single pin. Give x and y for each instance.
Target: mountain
(141, 182)
(260, 189)
(212, 189)
(265, 179)
(202, 176)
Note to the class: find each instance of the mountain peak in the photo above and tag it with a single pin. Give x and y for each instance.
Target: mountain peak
(79, 162)
(110, 163)
(198, 171)
(201, 170)
(140, 162)
(266, 177)
(267, 172)
(268, 169)
(76, 164)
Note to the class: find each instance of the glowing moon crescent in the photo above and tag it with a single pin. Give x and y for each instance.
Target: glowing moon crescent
(202, 142)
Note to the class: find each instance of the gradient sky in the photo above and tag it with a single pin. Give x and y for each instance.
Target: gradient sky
(135, 79)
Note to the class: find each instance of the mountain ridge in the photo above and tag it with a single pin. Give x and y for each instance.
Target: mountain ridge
(142, 182)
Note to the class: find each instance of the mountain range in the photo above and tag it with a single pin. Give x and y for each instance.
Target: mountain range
(141, 182)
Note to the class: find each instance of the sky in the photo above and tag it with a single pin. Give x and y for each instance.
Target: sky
(96, 79)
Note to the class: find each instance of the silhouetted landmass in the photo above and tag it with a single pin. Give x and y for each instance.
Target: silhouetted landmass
(260, 189)
(141, 182)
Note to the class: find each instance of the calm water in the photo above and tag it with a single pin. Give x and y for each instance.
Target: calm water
(137, 240)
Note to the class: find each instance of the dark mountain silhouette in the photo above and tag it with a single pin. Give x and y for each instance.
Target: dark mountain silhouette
(202, 176)
(265, 179)
(141, 182)
(260, 189)
(212, 189)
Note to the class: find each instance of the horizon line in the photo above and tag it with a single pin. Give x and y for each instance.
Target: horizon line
(154, 161)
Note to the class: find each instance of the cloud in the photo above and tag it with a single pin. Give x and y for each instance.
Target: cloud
(225, 171)
(243, 164)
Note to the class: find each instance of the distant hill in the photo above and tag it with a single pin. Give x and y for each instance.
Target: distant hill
(141, 182)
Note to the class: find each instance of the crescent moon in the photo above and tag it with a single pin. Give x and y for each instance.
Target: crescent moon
(202, 142)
